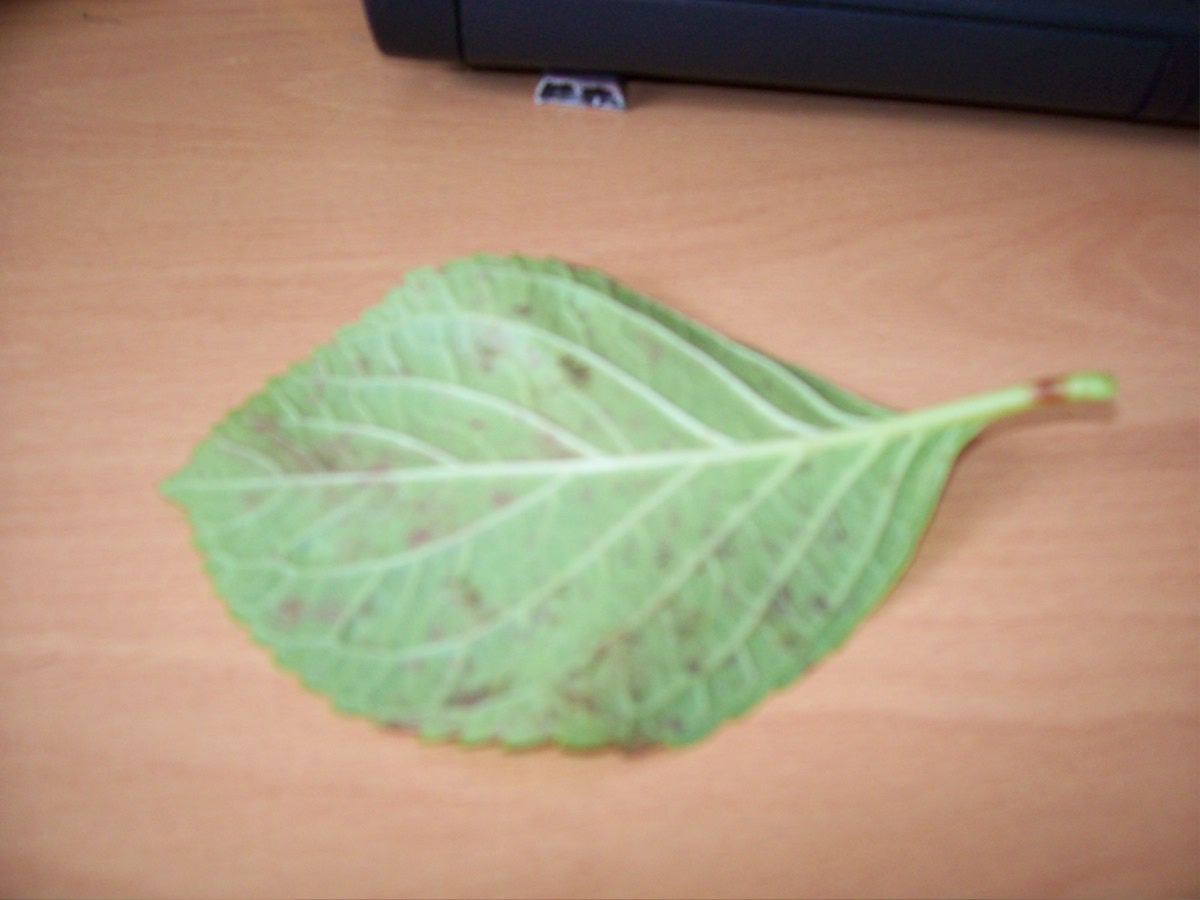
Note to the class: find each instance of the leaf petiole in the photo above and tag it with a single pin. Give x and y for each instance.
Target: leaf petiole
(983, 409)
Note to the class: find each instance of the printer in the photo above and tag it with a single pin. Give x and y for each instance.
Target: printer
(1131, 59)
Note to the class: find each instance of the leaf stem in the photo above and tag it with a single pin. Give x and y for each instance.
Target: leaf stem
(1076, 387)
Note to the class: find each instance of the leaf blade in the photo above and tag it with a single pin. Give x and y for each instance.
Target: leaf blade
(519, 502)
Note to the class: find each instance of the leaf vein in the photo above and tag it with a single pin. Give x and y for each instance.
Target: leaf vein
(377, 432)
(471, 395)
(781, 572)
(685, 348)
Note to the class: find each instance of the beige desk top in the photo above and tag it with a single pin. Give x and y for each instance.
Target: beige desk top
(192, 195)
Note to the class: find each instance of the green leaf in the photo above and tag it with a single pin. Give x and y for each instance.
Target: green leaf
(519, 502)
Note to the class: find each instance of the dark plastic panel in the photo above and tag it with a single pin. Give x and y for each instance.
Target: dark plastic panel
(1124, 58)
(423, 28)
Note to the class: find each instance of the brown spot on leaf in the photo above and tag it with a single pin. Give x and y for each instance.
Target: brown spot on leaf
(653, 347)
(1048, 391)
(688, 625)
(837, 531)
(501, 499)
(552, 448)
(664, 555)
(420, 537)
(582, 701)
(378, 471)
(328, 612)
(289, 613)
(487, 358)
(324, 459)
(489, 347)
(578, 373)
(473, 697)
(468, 595)
(724, 550)
(781, 603)
(544, 615)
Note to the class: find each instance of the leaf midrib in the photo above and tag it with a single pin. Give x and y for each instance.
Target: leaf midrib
(974, 412)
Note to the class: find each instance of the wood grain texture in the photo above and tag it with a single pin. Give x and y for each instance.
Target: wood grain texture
(195, 194)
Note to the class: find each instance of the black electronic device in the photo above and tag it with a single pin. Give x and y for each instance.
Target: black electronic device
(1133, 59)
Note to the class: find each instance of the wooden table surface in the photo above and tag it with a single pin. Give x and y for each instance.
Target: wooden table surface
(195, 194)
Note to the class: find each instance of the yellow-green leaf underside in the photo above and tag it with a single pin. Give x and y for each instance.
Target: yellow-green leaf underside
(518, 502)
